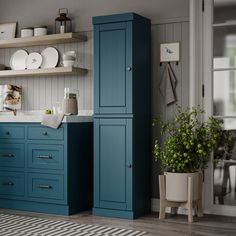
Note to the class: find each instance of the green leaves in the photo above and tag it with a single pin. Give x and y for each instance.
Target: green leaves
(189, 141)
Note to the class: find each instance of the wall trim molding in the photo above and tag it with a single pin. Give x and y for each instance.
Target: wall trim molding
(153, 23)
(195, 52)
(170, 20)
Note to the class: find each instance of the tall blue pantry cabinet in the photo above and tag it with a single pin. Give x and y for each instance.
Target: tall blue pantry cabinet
(121, 115)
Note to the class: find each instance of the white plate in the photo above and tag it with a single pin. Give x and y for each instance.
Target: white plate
(34, 60)
(50, 57)
(18, 60)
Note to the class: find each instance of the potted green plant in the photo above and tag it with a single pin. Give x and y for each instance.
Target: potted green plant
(186, 150)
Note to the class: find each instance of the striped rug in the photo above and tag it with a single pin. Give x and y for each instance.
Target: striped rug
(12, 225)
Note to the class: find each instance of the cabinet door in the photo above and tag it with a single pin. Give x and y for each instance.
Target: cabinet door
(113, 68)
(113, 164)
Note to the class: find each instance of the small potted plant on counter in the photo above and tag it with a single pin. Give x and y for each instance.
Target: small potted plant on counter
(186, 150)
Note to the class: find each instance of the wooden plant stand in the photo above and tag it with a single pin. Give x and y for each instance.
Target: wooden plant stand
(190, 204)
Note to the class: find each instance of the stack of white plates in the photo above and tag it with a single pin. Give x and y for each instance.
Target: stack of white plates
(21, 60)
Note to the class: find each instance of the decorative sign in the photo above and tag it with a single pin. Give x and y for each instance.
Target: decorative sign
(169, 52)
(7, 31)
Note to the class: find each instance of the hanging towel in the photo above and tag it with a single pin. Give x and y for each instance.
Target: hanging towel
(168, 84)
(53, 121)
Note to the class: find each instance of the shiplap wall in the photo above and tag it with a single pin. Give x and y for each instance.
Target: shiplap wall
(41, 93)
(175, 32)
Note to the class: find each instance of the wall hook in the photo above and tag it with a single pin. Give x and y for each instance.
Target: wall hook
(168, 62)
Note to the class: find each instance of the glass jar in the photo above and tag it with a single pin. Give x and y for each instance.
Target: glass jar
(71, 93)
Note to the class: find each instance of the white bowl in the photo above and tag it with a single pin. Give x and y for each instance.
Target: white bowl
(67, 63)
(68, 58)
(70, 53)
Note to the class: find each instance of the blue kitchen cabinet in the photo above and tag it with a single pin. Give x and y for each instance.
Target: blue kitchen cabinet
(44, 169)
(122, 115)
(113, 68)
(113, 167)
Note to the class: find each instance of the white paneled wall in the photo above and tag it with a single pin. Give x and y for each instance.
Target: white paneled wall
(174, 32)
(41, 93)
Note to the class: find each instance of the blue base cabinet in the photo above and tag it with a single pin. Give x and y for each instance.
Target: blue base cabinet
(46, 170)
(122, 115)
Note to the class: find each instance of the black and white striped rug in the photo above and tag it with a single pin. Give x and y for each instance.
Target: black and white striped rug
(12, 225)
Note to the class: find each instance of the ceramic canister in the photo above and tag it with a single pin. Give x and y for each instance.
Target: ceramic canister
(27, 32)
(70, 105)
(40, 30)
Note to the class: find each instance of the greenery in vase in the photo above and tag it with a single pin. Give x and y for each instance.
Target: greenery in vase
(189, 141)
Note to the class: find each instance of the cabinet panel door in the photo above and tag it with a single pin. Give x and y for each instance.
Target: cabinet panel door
(12, 155)
(12, 184)
(113, 163)
(113, 69)
(39, 132)
(44, 156)
(46, 186)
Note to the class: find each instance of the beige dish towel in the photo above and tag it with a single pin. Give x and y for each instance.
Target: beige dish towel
(53, 121)
(168, 85)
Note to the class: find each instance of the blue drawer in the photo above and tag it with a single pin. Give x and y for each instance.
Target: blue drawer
(45, 156)
(45, 133)
(12, 155)
(12, 132)
(12, 183)
(47, 186)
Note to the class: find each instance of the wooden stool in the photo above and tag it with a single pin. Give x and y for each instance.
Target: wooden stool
(190, 204)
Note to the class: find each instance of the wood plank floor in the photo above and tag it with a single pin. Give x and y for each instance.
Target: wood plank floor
(209, 225)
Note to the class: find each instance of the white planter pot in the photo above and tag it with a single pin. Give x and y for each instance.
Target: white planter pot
(177, 186)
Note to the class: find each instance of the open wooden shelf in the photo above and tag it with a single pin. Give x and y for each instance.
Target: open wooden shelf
(41, 72)
(43, 40)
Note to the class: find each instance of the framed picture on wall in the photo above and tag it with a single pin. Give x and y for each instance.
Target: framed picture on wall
(170, 52)
(7, 31)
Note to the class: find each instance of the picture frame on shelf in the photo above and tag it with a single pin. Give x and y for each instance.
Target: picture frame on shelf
(8, 30)
(170, 52)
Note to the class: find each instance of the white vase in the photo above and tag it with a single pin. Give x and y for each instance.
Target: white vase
(177, 186)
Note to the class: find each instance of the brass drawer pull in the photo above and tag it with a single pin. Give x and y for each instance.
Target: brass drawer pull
(45, 186)
(44, 157)
(8, 183)
(7, 155)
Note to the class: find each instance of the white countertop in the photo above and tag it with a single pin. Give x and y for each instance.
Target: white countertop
(36, 116)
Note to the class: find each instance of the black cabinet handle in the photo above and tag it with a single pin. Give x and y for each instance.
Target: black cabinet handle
(7, 155)
(44, 157)
(45, 186)
(8, 183)
(45, 133)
